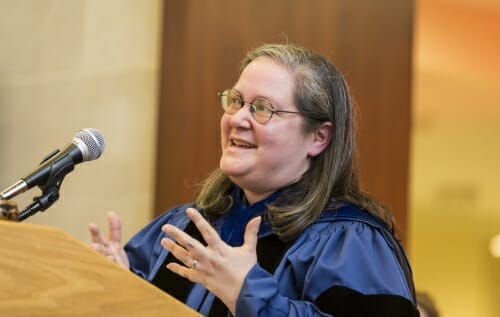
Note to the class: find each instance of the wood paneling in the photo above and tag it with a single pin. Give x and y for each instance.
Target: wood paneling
(203, 42)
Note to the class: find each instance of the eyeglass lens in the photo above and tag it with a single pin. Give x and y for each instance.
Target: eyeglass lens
(232, 102)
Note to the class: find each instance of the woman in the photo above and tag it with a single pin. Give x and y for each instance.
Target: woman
(282, 227)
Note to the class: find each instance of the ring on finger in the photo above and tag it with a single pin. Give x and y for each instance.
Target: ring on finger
(194, 264)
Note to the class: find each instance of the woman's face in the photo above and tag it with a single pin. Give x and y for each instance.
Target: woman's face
(262, 158)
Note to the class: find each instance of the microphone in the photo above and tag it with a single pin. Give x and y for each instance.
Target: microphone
(87, 145)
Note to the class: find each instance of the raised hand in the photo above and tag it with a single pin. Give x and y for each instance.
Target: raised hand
(111, 247)
(219, 267)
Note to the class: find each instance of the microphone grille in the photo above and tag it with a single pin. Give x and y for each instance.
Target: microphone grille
(93, 141)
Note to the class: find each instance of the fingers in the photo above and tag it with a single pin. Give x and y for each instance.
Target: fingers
(115, 230)
(187, 249)
(207, 231)
(251, 233)
(188, 270)
(115, 227)
(119, 255)
(113, 252)
(183, 271)
(111, 248)
(95, 234)
(179, 252)
(98, 247)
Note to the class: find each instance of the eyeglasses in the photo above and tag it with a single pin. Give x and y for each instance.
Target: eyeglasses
(261, 109)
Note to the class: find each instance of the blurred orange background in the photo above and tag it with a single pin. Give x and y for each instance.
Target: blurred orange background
(454, 182)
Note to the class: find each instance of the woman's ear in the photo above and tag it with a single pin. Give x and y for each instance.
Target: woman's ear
(321, 138)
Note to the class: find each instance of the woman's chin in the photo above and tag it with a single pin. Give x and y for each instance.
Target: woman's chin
(233, 167)
(232, 171)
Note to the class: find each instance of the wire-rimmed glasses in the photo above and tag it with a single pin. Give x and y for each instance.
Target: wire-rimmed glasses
(261, 109)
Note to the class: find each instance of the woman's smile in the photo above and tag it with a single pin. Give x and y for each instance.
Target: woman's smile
(241, 144)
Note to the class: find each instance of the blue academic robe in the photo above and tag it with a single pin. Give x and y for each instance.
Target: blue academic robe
(344, 264)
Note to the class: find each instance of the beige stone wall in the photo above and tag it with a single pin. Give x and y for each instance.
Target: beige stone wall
(67, 65)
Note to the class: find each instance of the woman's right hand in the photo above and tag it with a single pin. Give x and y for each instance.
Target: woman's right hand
(111, 247)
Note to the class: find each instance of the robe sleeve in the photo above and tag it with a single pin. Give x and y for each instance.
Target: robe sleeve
(341, 268)
(144, 249)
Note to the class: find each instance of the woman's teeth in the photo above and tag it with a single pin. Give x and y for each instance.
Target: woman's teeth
(242, 144)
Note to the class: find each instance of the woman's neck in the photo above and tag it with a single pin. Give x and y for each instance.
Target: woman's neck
(253, 197)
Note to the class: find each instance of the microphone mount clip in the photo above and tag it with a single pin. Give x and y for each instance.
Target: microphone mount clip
(50, 189)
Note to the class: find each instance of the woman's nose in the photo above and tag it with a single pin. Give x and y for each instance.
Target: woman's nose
(243, 117)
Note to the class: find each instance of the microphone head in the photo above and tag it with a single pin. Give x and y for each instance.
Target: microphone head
(90, 142)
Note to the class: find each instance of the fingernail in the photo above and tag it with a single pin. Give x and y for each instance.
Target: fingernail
(190, 211)
(167, 228)
(163, 241)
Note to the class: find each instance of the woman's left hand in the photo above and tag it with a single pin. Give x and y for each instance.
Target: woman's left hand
(219, 267)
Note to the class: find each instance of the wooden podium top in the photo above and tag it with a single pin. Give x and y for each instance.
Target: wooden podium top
(46, 272)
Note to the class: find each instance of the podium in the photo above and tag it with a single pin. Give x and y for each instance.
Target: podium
(46, 272)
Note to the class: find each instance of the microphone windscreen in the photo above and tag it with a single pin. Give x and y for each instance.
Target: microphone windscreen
(90, 142)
